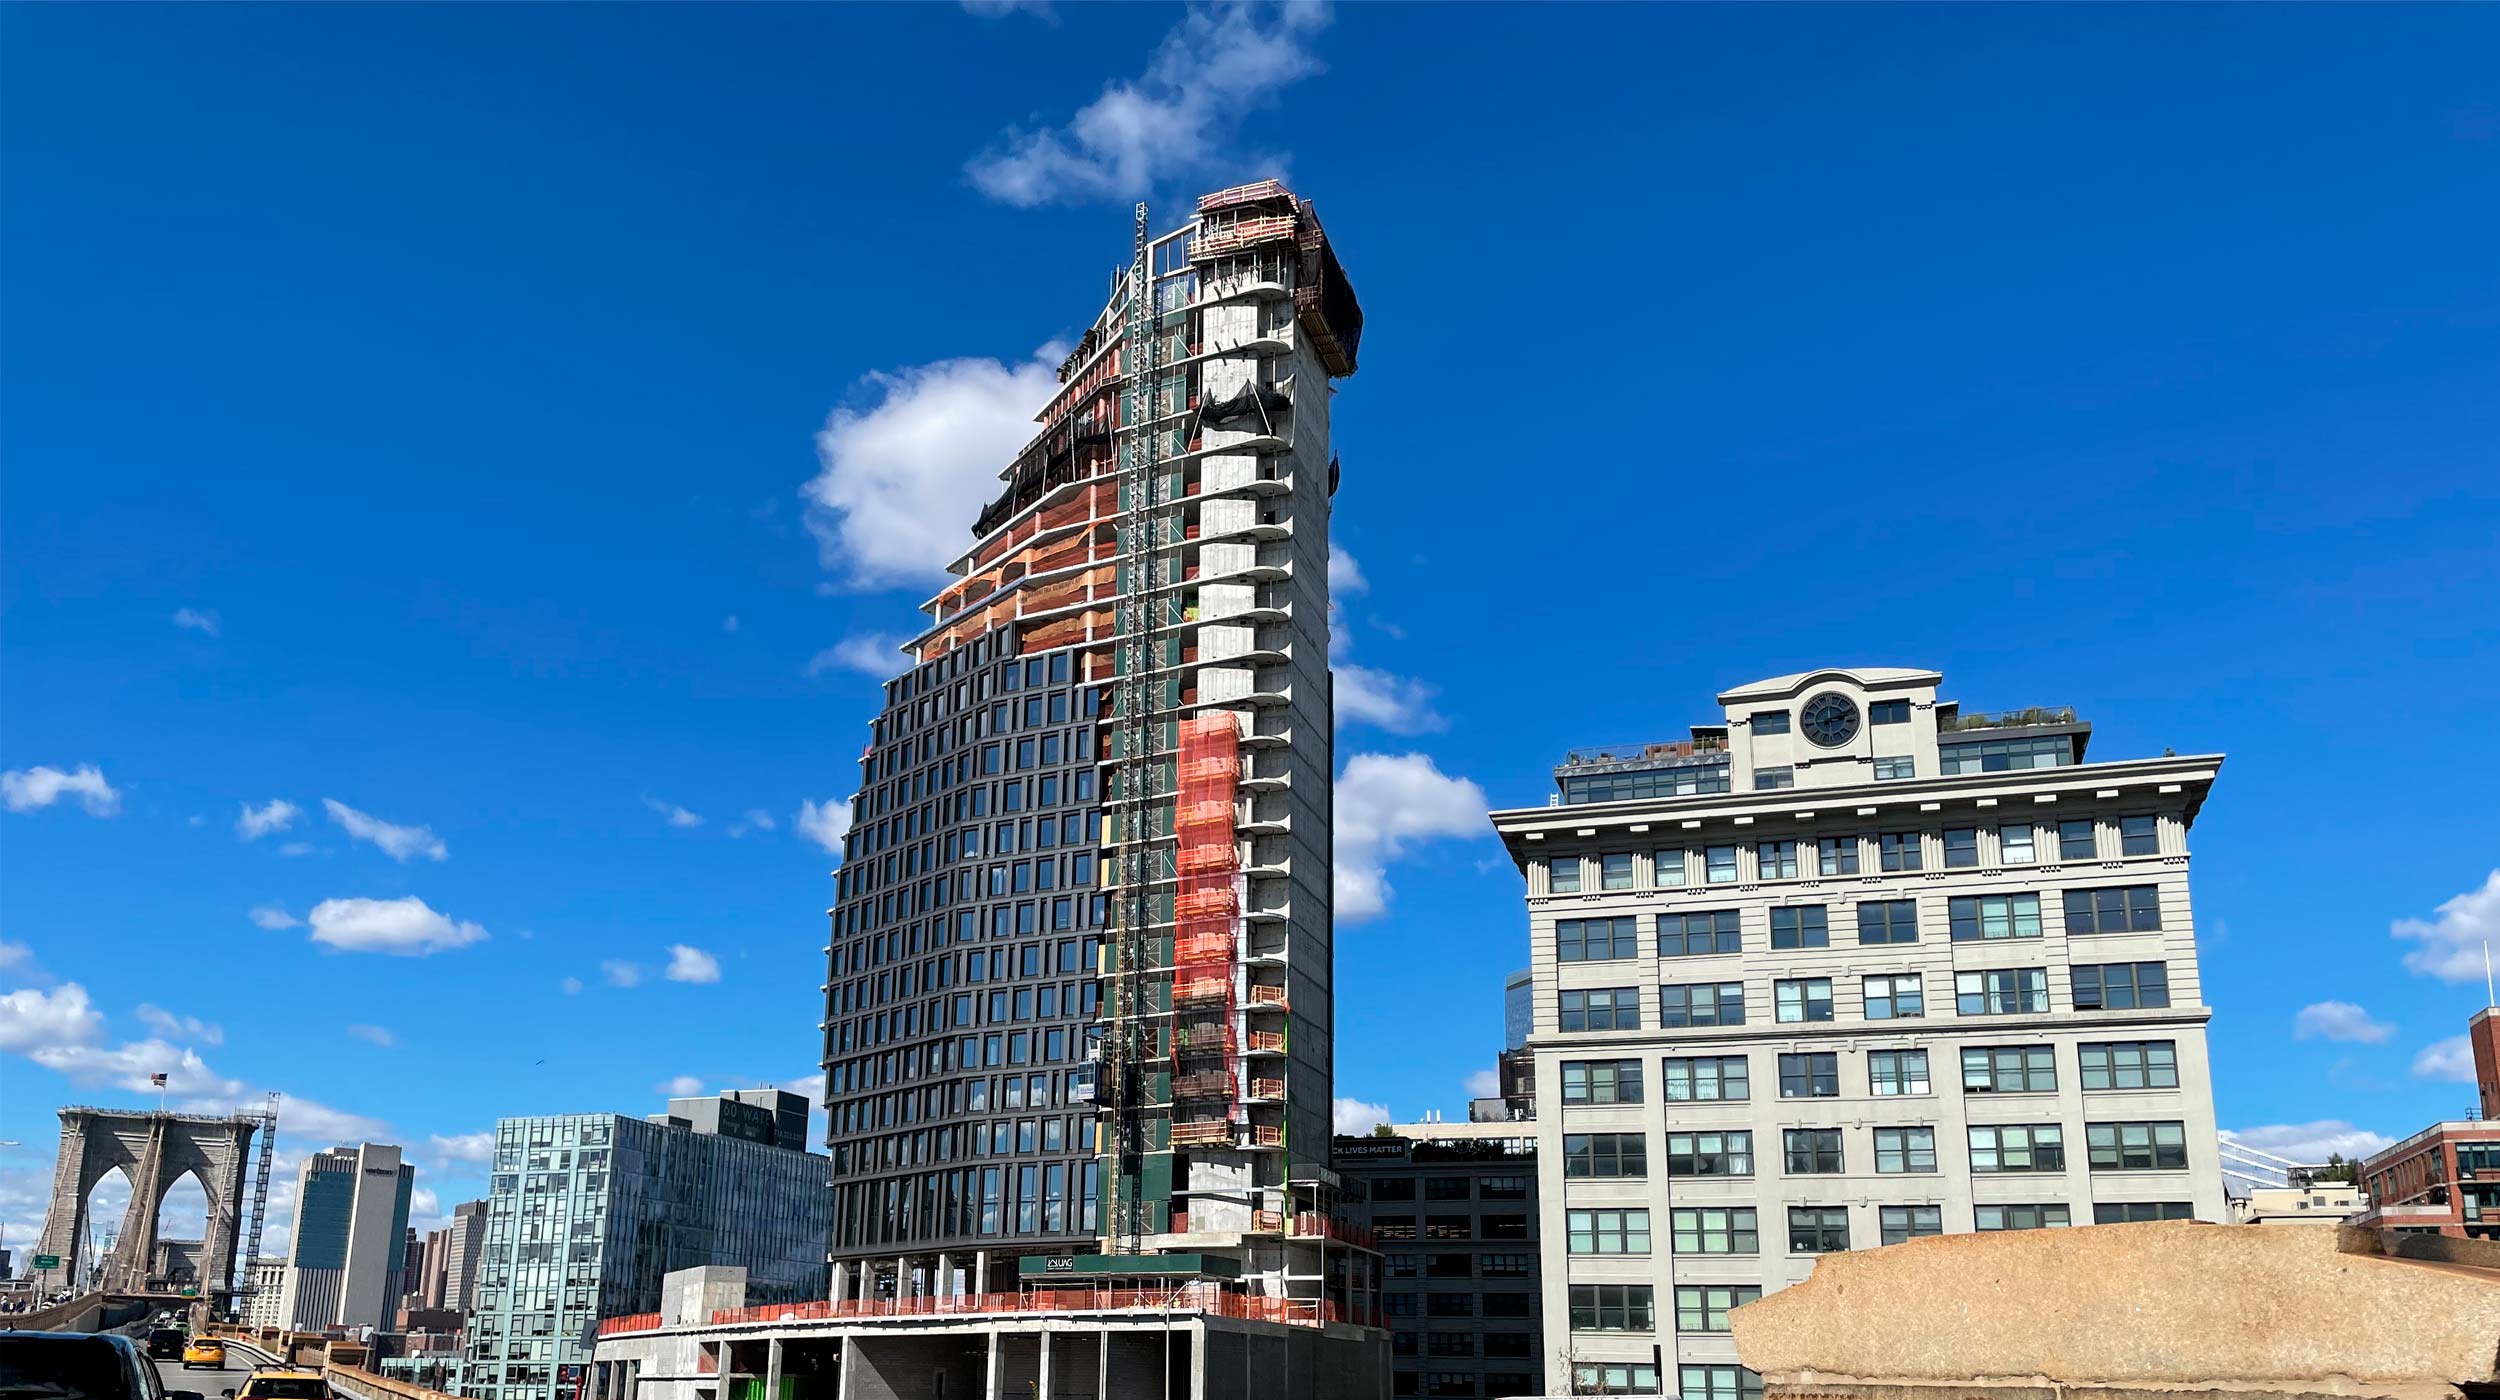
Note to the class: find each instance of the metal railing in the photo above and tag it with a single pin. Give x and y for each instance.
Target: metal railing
(2009, 719)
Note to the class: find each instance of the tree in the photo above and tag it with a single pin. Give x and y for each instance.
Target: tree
(1382, 1130)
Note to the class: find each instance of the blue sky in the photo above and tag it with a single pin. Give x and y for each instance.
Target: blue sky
(502, 434)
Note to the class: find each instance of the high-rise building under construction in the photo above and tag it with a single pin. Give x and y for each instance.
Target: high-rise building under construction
(1078, 1004)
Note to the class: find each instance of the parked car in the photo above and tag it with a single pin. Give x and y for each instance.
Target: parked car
(203, 1351)
(79, 1366)
(166, 1342)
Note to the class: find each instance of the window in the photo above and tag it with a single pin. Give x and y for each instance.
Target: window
(1898, 850)
(2118, 909)
(1451, 1344)
(2076, 840)
(2003, 755)
(1961, 846)
(1987, 917)
(1717, 1383)
(1604, 1155)
(1704, 1307)
(1818, 1229)
(1800, 926)
(1448, 1188)
(1770, 721)
(1910, 1222)
(1449, 1305)
(2014, 845)
(2136, 1147)
(1449, 1385)
(2008, 1069)
(1770, 779)
(1838, 855)
(1601, 1081)
(2017, 1147)
(2120, 986)
(1810, 1076)
(1615, 1378)
(2031, 1217)
(1601, 1009)
(1666, 869)
(1706, 1079)
(1894, 997)
(2138, 836)
(1607, 1231)
(2130, 1064)
(1611, 1307)
(1891, 769)
(2128, 1212)
(1503, 1188)
(2001, 992)
(1802, 999)
(1810, 1151)
(1710, 1154)
(1719, 864)
(1596, 940)
(1776, 860)
(1888, 712)
(1701, 1004)
(1702, 931)
(1893, 1073)
(1715, 1230)
(1562, 874)
(1507, 1265)
(1905, 1150)
(1888, 921)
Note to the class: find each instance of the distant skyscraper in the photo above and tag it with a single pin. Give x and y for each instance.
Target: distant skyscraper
(1518, 1008)
(345, 1261)
(468, 1237)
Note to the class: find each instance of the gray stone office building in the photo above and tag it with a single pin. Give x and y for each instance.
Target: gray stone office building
(1848, 966)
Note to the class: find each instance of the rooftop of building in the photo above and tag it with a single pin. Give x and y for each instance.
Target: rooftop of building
(2160, 1307)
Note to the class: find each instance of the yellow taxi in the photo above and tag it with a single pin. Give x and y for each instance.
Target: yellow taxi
(284, 1383)
(203, 1351)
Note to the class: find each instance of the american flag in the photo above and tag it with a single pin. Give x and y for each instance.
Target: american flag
(157, 1079)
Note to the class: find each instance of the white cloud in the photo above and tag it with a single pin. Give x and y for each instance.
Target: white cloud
(32, 1018)
(130, 1067)
(397, 842)
(824, 823)
(374, 1035)
(1179, 118)
(899, 482)
(296, 848)
(306, 1118)
(729, 623)
(753, 819)
(19, 959)
(873, 654)
(2452, 945)
(1344, 574)
(572, 986)
(405, 927)
(1355, 1118)
(687, 963)
(2310, 1143)
(196, 619)
(270, 916)
(1385, 804)
(1484, 1084)
(2451, 1059)
(478, 1149)
(620, 974)
(993, 9)
(28, 789)
(2339, 1020)
(173, 1027)
(684, 1086)
(677, 816)
(1399, 704)
(257, 822)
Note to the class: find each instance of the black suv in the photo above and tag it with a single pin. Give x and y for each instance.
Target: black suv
(73, 1366)
(166, 1343)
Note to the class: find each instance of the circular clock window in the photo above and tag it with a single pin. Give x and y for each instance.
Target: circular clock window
(1829, 719)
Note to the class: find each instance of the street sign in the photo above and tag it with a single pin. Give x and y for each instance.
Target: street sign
(47, 1261)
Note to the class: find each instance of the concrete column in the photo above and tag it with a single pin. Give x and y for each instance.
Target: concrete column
(945, 1276)
(981, 1271)
(845, 1346)
(989, 1391)
(1042, 1387)
(772, 1369)
(841, 1282)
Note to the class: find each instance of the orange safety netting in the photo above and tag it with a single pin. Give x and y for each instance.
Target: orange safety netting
(1207, 919)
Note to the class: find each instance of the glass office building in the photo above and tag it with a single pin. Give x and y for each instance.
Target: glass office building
(589, 1211)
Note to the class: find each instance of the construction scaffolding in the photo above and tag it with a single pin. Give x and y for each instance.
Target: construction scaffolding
(1206, 934)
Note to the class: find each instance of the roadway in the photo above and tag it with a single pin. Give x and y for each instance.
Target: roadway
(207, 1381)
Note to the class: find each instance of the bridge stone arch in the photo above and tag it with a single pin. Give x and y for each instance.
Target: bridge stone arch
(154, 1150)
